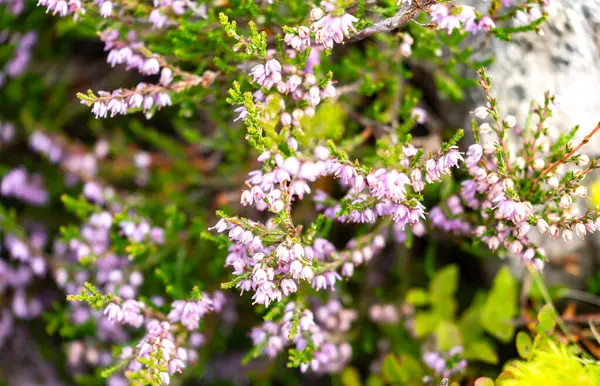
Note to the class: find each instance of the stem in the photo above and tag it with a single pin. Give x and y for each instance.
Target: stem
(546, 295)
(571, 153)
(403, 16)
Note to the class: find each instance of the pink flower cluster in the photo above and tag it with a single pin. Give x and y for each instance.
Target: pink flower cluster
(328, 29)
(387, 189)
(121, 101)
(17, 279)
(290, 177)
(189, 313)
(22, 185)
(445, 364)
(7, 133)
(17, 65)
(451, 223)
(64, 8)
(466, 20)
(288, 81)
(330, 355)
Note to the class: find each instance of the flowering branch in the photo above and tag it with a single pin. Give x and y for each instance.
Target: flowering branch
(403, 16)
(572, 152)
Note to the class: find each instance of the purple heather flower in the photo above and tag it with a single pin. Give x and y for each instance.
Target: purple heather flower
(189, 313)
(18, 183)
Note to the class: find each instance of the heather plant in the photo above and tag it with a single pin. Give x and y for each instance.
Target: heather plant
(241, 192)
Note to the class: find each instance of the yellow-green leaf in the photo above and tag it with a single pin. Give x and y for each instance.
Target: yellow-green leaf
(390, 369)
(481, 350)
(425, 323)
(448, 335)
(524, 344)
(445, 282)
(350, 377)
(546, 319)
(417, 297)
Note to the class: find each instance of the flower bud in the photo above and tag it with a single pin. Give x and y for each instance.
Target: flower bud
(583, 160)
(510, 121)
(492, 178)
(357, 257)
(298, 250)
(516, 247)
(507, 184)
(591, 226)
(264, 156)
(524, 227)
(553, 231)
(520, 162)
(581, 191)
(485, 128)
(567, 235)
(296, 268)
(307, 273)
(286, 119)
(538, 164)
(493, 243)
(277, 206)
(481, 112)
(565, 202)
(347, 269)
(553, 182)
(580, 230)
(316, 14)
(542, 225)
(246, 198)
(528, 255)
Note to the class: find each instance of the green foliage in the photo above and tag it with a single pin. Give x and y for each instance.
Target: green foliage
(92, 296)
(501, 307)
(554, 364)
(491, 313)
(403, 370)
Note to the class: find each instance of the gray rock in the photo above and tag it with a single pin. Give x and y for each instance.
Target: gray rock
(565, 61)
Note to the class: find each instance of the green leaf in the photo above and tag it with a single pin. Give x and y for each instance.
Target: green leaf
(470, 320)
(350, 377)
(417, 297)
(524, 344)
(481, 350)
(426, 322)
(501, 307)
(445, 307)
(546, 319)
(80, 206)
(390, 369)
(445, 282)
(374, 381)
(448, 335)
(327, 123)
(410, 368)
(442, 289)
(401, 370)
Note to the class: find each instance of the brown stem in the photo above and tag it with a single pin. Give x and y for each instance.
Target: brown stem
(571, 153)
(403, 16)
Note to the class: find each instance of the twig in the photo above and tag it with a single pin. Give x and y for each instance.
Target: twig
(571, 153)
(582, 296)
(594, 331)
(537, 279)
(403, 16)
(347, 88)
